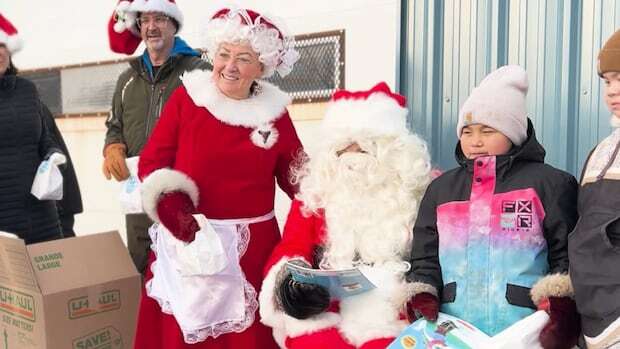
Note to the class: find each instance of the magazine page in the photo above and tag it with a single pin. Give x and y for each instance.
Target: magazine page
(339, 283)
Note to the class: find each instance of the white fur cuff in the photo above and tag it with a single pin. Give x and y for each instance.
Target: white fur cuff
(164, 181)
(295, 327)
(415, 288)
(552, 285)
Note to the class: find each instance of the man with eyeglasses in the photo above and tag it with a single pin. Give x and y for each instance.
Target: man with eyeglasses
(141, 92)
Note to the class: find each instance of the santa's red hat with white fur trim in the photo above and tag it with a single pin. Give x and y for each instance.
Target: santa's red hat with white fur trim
(123, 32)
(9, 36)
(375, 112)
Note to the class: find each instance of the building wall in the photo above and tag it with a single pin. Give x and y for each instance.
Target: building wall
(451, 45)
(70, 32)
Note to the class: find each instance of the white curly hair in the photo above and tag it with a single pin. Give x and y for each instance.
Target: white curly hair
(267, 37)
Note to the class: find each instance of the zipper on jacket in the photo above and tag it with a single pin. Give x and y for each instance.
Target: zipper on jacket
(156, 103)
(148, 114)
(160, 104)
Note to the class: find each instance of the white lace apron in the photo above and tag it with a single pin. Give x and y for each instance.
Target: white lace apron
(201, 284)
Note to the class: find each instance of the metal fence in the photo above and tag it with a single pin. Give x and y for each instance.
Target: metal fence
(320, 69)
(87, 89)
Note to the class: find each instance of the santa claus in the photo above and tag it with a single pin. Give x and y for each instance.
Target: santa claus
(359, 194)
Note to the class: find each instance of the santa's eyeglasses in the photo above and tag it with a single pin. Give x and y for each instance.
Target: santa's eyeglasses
(159, 20)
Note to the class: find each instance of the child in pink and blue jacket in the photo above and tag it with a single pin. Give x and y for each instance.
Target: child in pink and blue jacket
(490, 240)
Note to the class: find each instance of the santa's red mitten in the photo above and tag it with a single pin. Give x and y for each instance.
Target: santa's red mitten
(563, 329)
(175, 211)
(423, 305)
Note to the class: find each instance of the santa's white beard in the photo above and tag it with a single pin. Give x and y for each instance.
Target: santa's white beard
(370, 200)
(364, 218)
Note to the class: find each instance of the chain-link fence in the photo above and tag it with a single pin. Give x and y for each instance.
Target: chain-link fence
(87, 89)
(320, 69)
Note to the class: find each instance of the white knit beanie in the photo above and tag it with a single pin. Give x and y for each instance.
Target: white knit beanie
(499, 102)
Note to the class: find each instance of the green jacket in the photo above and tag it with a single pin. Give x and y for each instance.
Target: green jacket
(138, 99)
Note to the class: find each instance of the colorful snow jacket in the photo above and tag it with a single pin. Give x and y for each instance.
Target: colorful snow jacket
(491, 228)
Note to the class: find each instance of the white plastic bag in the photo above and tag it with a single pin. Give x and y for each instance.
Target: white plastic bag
(47, 184)
(203, 256)
(130, 196)
(522, 334)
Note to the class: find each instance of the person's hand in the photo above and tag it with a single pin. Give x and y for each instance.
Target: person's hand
(114, 162)
(423, 305)
(175, 211)
(301, 300)
(563, 329)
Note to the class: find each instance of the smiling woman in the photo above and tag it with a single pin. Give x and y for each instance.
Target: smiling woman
(223, 140)
(235, 68)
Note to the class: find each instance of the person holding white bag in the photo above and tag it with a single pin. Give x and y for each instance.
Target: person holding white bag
(25, 142)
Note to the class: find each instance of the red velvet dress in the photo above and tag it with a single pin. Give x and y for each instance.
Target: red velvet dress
(214, 141)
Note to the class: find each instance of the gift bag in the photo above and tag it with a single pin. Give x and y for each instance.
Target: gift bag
(47, 184)
(130, 195)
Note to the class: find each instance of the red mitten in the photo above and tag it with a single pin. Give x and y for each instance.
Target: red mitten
(563, 329)
(424, 304)
(175, 211)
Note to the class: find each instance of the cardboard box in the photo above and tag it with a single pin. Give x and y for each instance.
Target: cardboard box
(77, 293)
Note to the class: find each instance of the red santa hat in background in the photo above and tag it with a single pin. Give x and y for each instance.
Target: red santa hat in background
(267, 35)
(375, 112)
(9, 36)
(123, 32)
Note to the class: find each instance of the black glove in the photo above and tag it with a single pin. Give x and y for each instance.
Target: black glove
(301, 300)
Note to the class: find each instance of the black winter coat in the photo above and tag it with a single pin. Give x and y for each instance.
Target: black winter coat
(24, 143)
(594, 245)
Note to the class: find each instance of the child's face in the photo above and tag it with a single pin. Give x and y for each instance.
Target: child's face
(612, 92)
(481, 140)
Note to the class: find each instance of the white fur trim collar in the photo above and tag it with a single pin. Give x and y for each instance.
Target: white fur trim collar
(255, 112)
